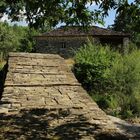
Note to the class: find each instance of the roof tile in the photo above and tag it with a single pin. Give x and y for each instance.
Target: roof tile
(78, 31)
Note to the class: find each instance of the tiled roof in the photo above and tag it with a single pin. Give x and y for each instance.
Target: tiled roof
(77, 31)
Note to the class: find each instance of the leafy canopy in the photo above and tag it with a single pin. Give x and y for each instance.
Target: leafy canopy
(16, 38)
(128, 19)
(8, 38)
(53, 12)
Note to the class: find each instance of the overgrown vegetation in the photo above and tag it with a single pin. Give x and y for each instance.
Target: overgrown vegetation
(39, 14)
(128, 20)
(2, 75)
(15, 38)
(111, 78)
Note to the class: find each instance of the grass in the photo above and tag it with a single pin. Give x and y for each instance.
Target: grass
(70, 62)
(2, 63)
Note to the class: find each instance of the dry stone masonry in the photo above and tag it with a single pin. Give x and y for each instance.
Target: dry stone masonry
(43, 100)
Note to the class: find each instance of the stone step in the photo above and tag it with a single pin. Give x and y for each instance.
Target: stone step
(31, 63)
(60, 92)
(35, 69)
(34, 55)
(39, 79)
(49, 97)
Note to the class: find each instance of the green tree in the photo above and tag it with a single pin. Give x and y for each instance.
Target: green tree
(16, 38)
(52, 12)
(27, 43)
(8, 39)
(128, 20)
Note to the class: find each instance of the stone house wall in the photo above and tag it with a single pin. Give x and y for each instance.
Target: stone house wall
(64, 46)
(67, 46)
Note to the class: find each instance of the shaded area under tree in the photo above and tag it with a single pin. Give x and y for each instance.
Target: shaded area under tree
(41, 124)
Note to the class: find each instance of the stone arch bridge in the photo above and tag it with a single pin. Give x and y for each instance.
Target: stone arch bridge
(43, 100)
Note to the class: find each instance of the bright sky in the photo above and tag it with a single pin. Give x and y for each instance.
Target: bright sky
(108, 20)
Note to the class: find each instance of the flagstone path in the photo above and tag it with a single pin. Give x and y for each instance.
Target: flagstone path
(43, 100)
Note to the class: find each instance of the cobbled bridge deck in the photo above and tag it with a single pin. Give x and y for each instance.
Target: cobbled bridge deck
(43, 100)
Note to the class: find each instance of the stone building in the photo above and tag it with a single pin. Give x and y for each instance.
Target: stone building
(66, 40)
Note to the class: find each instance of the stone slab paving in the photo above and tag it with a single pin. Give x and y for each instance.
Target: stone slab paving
(43, 100)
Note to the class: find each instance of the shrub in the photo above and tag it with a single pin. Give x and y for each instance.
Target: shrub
(16, 38)
(111, 78)
(8, 40)
(27, 42)
(125, 73)
(92, 67)
(3, 70)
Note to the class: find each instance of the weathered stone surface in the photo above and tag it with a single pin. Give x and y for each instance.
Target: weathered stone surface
(43, 98)
(64, 46)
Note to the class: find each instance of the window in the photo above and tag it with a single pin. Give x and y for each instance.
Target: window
(63, 44)
(46, 43)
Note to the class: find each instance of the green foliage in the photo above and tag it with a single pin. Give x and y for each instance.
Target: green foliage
(38, 13)
(125, 72)
(137, 39)
(1, 66)
(8, 40)
(93, 62)
(27, 42)
(111, 78)
(16, 38)
(128, 20)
